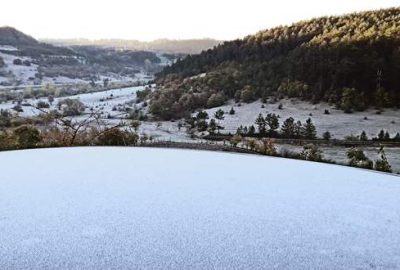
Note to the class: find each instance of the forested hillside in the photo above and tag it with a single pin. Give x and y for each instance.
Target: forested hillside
(352, 61)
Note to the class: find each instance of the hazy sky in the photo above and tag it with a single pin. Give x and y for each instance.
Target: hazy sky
(180, 19)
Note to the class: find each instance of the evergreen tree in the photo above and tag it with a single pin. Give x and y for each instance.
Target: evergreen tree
(272, 121)
(326, 136)
(219, 115)
(252, 130)
(239, 131)
(309, 131)
(387, 136)
(381, 135)
(261, 124)
(363, 136)
(212, 126)
(397, 137)
(288, 128)
(298, 129)
(202, 115)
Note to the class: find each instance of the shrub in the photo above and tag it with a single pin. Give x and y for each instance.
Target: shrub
(17, 61)
(26, 136)
(215, 100)
(117, 137)
(382, 164)
(42, 105)
(267, 148)
(311, 152)
(358, 159)
(71, 107)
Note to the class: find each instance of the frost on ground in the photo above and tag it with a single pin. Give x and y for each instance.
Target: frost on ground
(338, 123)
(136, 208)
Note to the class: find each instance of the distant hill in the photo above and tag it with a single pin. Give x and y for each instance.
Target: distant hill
(188, 46)
(13, 37)
(28, 46)
(26, 61)
(352, 61)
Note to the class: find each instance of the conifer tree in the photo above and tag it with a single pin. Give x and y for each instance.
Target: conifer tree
(261, 124)
(309, 131)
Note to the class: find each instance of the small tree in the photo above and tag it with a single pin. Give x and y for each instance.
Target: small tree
(381, 135)
(363, 136)
(212, 126)
(357, 158)
(311, 152)
(219, 115)
(309, 131)
(202, 115)
(288, 128)
(326, 136)
(382, 164)
(260, 122)
(272, 121)
(231, 111)
(386, 137)
(252, 131)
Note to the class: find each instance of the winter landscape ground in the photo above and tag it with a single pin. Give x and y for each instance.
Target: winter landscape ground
(109, 208)
(112, 106)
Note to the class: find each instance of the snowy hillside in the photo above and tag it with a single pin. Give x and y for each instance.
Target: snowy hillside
(128, 208)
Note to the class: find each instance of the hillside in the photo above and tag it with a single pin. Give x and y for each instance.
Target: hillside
(13, 37)
(26, 62)
(188, 46)
(352, 61)
(109, 208)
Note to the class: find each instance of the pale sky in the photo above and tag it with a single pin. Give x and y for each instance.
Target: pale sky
(175, 19)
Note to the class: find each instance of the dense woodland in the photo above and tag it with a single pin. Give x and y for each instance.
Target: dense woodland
(352, 61)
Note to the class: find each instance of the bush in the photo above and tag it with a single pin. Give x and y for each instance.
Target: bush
(382, 164)
(71, 107)
(215, 100)
(42, 105)
(311, 152)
(26, 137)
(17, 62)
(358, 159)
(117, 137)
(267, 148)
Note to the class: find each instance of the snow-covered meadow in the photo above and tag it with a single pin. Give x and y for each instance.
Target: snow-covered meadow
(338, 123)
(128, 208)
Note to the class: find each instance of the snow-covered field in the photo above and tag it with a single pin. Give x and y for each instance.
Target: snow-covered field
(338, 123)
(129, 208)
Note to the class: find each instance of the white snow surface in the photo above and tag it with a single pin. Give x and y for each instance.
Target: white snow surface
(141, 208)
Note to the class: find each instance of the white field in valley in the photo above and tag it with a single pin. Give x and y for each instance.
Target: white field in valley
(338, 123)
(129, 208)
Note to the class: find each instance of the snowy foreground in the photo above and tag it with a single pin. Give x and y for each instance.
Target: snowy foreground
(138, 208)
